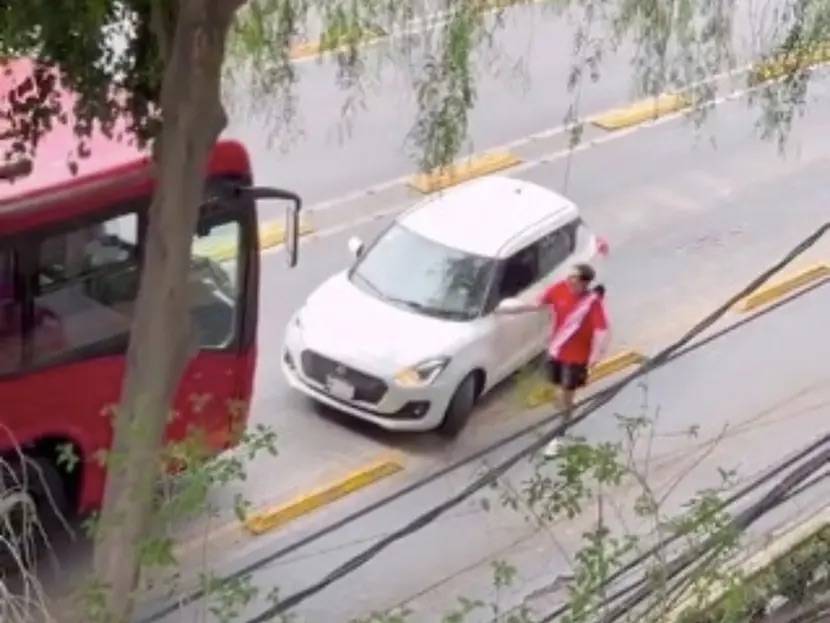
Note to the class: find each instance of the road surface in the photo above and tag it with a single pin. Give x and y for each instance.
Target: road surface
(689, 223)
(526, 70)
(689, 220)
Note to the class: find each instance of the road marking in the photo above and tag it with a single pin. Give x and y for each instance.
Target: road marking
(270, 518)
(542, 393)
(313, 49)
(523, 165)
(614, 364)
(334, 202)
(779, 546)
(779, 289)
(271, 234)
(641, 111)
(789, 63)
(309, 50)
(476, 166)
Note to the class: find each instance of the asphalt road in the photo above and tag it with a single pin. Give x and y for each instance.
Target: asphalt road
(757, 396)
(689, 222)
(348, 137)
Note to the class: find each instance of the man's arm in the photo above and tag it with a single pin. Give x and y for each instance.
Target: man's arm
(602, 333)
(544, 301)
(523, 309)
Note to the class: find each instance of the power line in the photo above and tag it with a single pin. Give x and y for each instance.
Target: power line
(750, 487)
(592, 404)
(738, 524)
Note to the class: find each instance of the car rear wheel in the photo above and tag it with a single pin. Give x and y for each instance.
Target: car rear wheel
(460, 408)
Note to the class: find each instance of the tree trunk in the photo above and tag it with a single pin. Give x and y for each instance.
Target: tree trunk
(159, 348)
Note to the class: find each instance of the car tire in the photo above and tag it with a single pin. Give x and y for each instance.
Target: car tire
(47, 491)
(460, 408)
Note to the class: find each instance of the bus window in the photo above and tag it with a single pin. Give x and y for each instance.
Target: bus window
(87, 281)
(214, 284)
(11, 339)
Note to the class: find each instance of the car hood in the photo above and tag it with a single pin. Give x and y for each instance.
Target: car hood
(342, 322)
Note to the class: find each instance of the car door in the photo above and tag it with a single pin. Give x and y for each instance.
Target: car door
(556, 257)
(511, 335)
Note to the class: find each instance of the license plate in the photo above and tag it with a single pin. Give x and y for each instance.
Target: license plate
(340, 388)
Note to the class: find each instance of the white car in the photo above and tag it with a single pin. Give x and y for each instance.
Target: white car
(411, 335)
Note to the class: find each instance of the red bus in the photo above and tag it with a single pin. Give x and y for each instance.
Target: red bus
(70, 259)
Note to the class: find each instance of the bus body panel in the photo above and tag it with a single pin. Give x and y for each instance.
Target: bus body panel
(76, 402)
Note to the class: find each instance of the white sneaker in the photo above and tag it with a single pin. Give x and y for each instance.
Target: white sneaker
(553, 448)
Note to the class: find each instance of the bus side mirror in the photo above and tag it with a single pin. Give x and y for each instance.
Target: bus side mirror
(291, 234)
(355, 246)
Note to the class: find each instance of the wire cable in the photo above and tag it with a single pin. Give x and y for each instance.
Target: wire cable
(750, 487)
(592, 404)
(787, 494)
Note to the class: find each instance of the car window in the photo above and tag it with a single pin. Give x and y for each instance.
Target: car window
(555, 248)
(520, 272)
(407, 269)
(11, 335)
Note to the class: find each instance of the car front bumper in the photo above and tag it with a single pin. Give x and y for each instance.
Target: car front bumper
(399, 409)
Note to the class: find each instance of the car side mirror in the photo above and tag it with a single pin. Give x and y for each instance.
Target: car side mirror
(509, 306)
(356, 246)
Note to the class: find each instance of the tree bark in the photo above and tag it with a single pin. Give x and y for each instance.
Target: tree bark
(192, 118)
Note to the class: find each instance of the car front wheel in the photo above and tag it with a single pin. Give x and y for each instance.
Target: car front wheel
(461, 406)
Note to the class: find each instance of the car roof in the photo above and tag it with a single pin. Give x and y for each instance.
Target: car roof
(493, 216)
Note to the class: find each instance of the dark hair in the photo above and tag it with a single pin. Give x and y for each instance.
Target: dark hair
(585, 273)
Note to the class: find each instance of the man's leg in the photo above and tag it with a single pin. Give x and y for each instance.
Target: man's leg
(571, 378)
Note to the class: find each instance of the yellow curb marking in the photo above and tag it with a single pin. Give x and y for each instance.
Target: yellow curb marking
(274, 517)
(545, 393)
(312, 49)
(271, 234)
(777, 290)
(441, 178)
(778, 547)
(789, 63)
(639, 112)
(614, 364)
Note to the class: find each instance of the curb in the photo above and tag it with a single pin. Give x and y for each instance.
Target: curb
(271, 518)
(779, 289)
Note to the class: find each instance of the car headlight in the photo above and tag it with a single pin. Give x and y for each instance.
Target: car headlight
(423, 373)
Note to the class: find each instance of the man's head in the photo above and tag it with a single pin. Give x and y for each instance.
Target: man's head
(581, 277)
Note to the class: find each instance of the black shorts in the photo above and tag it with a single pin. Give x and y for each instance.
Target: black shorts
(568, 376)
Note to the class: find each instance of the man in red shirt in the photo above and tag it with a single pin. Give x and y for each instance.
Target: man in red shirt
(578, 336)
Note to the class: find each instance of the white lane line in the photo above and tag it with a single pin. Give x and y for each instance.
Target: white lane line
(527, 164)
(516, 144)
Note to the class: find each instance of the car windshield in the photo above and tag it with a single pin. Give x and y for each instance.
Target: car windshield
(414, 272)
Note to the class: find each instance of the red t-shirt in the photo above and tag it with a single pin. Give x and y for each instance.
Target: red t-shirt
(562, 298)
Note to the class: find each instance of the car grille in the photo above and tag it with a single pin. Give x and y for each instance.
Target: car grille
(367, 388)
